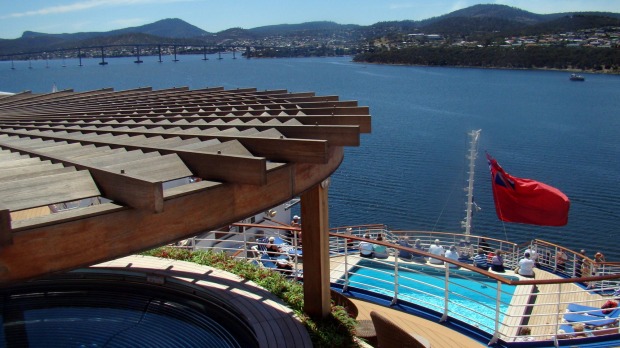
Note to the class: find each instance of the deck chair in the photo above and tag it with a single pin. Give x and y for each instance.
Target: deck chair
(390, 335)
(267, 262)
(590, 320)
(594, 311)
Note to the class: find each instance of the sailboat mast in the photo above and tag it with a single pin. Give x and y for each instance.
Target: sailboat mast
(471, 155)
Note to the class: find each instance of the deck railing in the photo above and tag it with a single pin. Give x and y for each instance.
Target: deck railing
(494, 304)
(491, 305)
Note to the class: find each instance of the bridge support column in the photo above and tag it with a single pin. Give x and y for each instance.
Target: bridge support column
(315, 237)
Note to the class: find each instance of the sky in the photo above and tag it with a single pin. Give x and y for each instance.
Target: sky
(72, 16)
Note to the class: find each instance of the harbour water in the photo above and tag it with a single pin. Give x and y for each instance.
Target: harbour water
(409, 173)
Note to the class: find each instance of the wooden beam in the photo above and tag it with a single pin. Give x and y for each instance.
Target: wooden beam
(315, 235)
(57, 242)
(213, 166)
(5, 229)
(133, 191)
(34, 192)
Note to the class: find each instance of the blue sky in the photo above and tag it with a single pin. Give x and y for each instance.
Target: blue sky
(71, 16)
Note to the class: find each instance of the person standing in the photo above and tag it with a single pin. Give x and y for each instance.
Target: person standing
(560, 260)
(579, 263)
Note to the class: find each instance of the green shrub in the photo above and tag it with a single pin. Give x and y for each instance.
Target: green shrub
(334, 331)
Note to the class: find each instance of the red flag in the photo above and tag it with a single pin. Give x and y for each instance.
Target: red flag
(525, 200)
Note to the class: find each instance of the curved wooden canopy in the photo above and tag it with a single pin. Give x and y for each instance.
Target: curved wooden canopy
(250, 150)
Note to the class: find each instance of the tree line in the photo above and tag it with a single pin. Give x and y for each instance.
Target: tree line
(528, 57)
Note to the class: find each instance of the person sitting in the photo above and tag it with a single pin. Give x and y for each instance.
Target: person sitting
(284, 265)
(526, 266)
(533, 255)
(497, 263)
(273, 250)
(349, 232)
(524, 335)
(366, 249)
(579, 330)
(380, 251)
(404, 254)
(452, 254)
(480, 260)
(418, 257)
(436, 249)
(608, 306)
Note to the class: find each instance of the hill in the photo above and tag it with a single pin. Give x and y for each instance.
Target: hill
(484, 23)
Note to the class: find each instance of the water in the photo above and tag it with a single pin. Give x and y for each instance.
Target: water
(467, 296)
(409, 173)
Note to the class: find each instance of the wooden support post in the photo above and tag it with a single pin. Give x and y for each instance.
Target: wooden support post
(315, 227)
(5, 228)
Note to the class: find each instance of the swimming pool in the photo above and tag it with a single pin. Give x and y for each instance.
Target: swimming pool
(472, 297)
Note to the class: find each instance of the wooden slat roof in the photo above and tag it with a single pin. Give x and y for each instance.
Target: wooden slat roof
(131, 150)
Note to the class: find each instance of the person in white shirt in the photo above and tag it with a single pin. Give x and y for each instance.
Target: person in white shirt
(366, 248)
(533, 255)
(526, 266)
(453, 254)
(436, 249)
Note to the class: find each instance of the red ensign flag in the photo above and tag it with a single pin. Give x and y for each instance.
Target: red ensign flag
(525, 200)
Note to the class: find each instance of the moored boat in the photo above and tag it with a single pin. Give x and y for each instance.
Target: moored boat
(576, 77)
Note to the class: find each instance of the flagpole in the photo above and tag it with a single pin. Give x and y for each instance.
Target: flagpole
(472, 155)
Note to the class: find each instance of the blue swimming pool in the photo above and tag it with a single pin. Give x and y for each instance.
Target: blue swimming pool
(472, 297)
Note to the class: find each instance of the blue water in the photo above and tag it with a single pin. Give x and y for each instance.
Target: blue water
(472, 299)
(409, 173)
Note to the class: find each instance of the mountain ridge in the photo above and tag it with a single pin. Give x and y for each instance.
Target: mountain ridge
(473, 19)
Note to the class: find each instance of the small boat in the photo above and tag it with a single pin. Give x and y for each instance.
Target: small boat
(575, 77)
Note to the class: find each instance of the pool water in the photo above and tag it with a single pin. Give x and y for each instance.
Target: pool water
(472, 297)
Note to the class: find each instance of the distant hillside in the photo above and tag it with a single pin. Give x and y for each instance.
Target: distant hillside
(286, 29)
(574, 23)
(486, 23)
(501, 12)
(168, 28)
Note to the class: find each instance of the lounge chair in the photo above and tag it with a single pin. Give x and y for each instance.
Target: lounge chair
(390, 335)
(595, 311)
(590, 320)
(267, 262)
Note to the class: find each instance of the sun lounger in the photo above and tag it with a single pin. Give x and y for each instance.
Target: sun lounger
(267, 262)
(590, 320)
(595, 311)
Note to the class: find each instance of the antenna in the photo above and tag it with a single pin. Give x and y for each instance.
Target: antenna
(471, 155)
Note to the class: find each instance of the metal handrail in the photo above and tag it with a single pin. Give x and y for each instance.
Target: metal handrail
(491, 311)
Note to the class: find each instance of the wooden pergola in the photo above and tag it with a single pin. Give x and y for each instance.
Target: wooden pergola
(249, 151)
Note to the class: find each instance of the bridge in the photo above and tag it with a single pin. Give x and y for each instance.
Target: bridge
(138, 50)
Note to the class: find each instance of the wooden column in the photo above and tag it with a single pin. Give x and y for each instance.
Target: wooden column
(315, 235)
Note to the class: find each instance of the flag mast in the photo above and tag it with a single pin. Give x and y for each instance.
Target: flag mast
(470, 204)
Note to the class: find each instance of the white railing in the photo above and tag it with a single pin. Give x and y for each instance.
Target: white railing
(499, 305)
(495, 305)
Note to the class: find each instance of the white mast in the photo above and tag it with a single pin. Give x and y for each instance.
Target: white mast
(473, 153)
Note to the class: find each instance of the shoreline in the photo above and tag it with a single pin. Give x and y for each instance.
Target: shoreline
(598, 72)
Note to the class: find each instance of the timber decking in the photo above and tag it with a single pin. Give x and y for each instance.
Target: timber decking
(438, 335)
